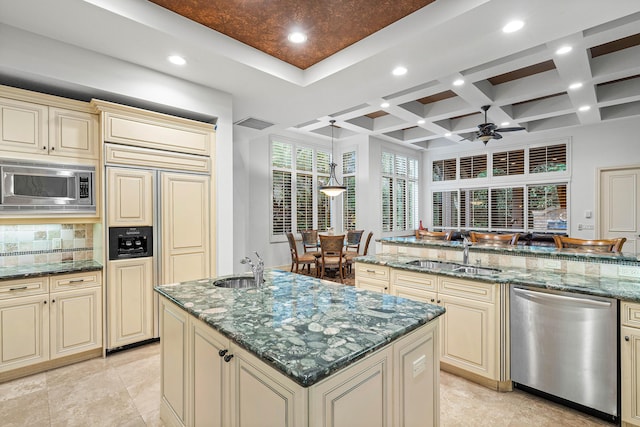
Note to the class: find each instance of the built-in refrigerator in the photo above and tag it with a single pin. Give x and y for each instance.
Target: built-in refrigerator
(170, 206)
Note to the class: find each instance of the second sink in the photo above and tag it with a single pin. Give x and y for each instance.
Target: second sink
(241, 282)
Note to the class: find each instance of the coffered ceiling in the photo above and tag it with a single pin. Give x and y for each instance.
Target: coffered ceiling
(343, 72)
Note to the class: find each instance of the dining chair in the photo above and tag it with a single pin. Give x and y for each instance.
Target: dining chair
(434, 235)
(332, 254)
(296, 259)
(494, 239)
(366, 245)
(588, 245)
(352, 246)
(310, 242)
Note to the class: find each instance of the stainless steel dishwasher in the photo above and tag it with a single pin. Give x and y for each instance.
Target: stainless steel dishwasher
(565, 345)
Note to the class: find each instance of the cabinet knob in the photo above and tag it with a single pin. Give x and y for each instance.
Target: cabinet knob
(45, 301)
(53, 300)
(53, 148)
(439, 301)
(44, 147)
(222, 352)
(433, 300)
(228, 357)
(626, 338)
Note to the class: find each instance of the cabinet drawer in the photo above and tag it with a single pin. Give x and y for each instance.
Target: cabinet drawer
(630, 314)
(372, 271)
(411, 279)
(467, 289)
(84, 279)
(24, 287)
(374, 285)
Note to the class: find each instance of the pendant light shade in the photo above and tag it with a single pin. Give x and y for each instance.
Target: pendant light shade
(333, 187)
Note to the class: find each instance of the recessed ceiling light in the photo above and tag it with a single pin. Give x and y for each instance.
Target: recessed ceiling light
(458, 82)
(504, 124)
(512, 26)
(399, 71)
(585, 108)
(448, 134)
(297, 37)
(177, 60)
(384, 105)
(420, 122)
(574, 86)
(564, 49)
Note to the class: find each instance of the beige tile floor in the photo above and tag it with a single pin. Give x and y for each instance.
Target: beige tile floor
(124, 390)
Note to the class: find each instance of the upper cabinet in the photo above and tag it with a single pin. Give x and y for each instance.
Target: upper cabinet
(44, 125)
(147, 129)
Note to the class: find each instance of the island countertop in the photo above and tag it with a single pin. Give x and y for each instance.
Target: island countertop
(305, 327)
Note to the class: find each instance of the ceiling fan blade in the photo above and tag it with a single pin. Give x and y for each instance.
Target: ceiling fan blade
(513, 129)
(486, 127)
(496, 136)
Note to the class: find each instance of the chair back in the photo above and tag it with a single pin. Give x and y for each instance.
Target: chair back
(332, 245)
(434, 235)
(586, 245)
(353, 240)
(366, 245)
(309, 239)
(292, 247)
(494, 238)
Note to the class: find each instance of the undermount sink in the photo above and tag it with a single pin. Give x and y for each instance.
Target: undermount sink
(241, 282)
(481, 271)
(434, 265)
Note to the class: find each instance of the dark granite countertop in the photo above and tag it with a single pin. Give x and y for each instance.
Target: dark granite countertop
(623, 288)
(539, 251)
(34, 270)
(305, 327)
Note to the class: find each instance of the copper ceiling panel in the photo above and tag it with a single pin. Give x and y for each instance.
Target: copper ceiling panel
(376, 114)
(615, 45)
(331, 25)
(522, 72)
(437, 97)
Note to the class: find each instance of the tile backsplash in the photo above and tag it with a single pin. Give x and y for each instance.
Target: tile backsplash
(45, 243)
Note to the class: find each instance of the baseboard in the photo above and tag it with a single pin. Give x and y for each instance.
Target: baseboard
(48, 365)
(502, 386)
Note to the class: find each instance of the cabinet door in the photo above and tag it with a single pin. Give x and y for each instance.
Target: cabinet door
(416, 368)
(73, 133)
(359, 396)
(129, 197)
(24, 331)
(130, 301)
(23, 126)
(173, 358)
(412, 285)
(185, 227)
(209, 374)
(469, 336)
(261, 396)
(76, 321)
(630, 375)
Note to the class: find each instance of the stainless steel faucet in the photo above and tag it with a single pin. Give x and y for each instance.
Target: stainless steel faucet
(465, 251)
(256, 269)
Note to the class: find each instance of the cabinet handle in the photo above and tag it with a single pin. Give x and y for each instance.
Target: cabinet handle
(439, 301)
(371, 271)
(222, 352)
(76, 280)
(626, 338)
(228, 357)
(18, 288)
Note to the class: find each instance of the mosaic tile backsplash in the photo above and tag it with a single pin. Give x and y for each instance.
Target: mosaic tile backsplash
(45, 243)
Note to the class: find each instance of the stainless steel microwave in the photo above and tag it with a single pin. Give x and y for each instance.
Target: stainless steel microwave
(31, 188)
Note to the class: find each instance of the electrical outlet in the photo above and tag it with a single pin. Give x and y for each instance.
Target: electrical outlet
(419, 365)
(628, 270)
(554, 264)
(56, 243)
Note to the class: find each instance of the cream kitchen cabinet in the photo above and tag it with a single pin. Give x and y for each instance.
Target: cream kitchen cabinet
(207, 380)
(130, 197)
(416, 286)
(33, 128)
(130, 296)
(44, 319)
(372, 277)
(630, 362)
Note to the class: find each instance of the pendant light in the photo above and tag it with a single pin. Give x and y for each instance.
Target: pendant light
(333, 187)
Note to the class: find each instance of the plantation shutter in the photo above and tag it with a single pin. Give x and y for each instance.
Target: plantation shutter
(349, 196)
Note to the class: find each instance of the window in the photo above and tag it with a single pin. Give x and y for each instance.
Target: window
(296, 203)
(349, 196)
(534, 203)
(399, 192)
(444, 170)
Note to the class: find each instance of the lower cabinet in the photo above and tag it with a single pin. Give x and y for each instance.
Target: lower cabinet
(209, 381)
(130, 296)
(372, 277)
(630, 363)
(47, 318)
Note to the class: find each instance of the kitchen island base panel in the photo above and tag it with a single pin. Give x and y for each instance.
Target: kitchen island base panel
(401, 378)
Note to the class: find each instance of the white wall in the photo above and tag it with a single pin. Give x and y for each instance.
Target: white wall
(613, 143)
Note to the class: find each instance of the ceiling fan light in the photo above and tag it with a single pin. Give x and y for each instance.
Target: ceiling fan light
(485, 138)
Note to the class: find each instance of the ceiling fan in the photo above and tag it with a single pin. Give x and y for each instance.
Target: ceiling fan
(487, 131)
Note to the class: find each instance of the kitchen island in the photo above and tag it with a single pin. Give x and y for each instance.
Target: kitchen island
(298, 351)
